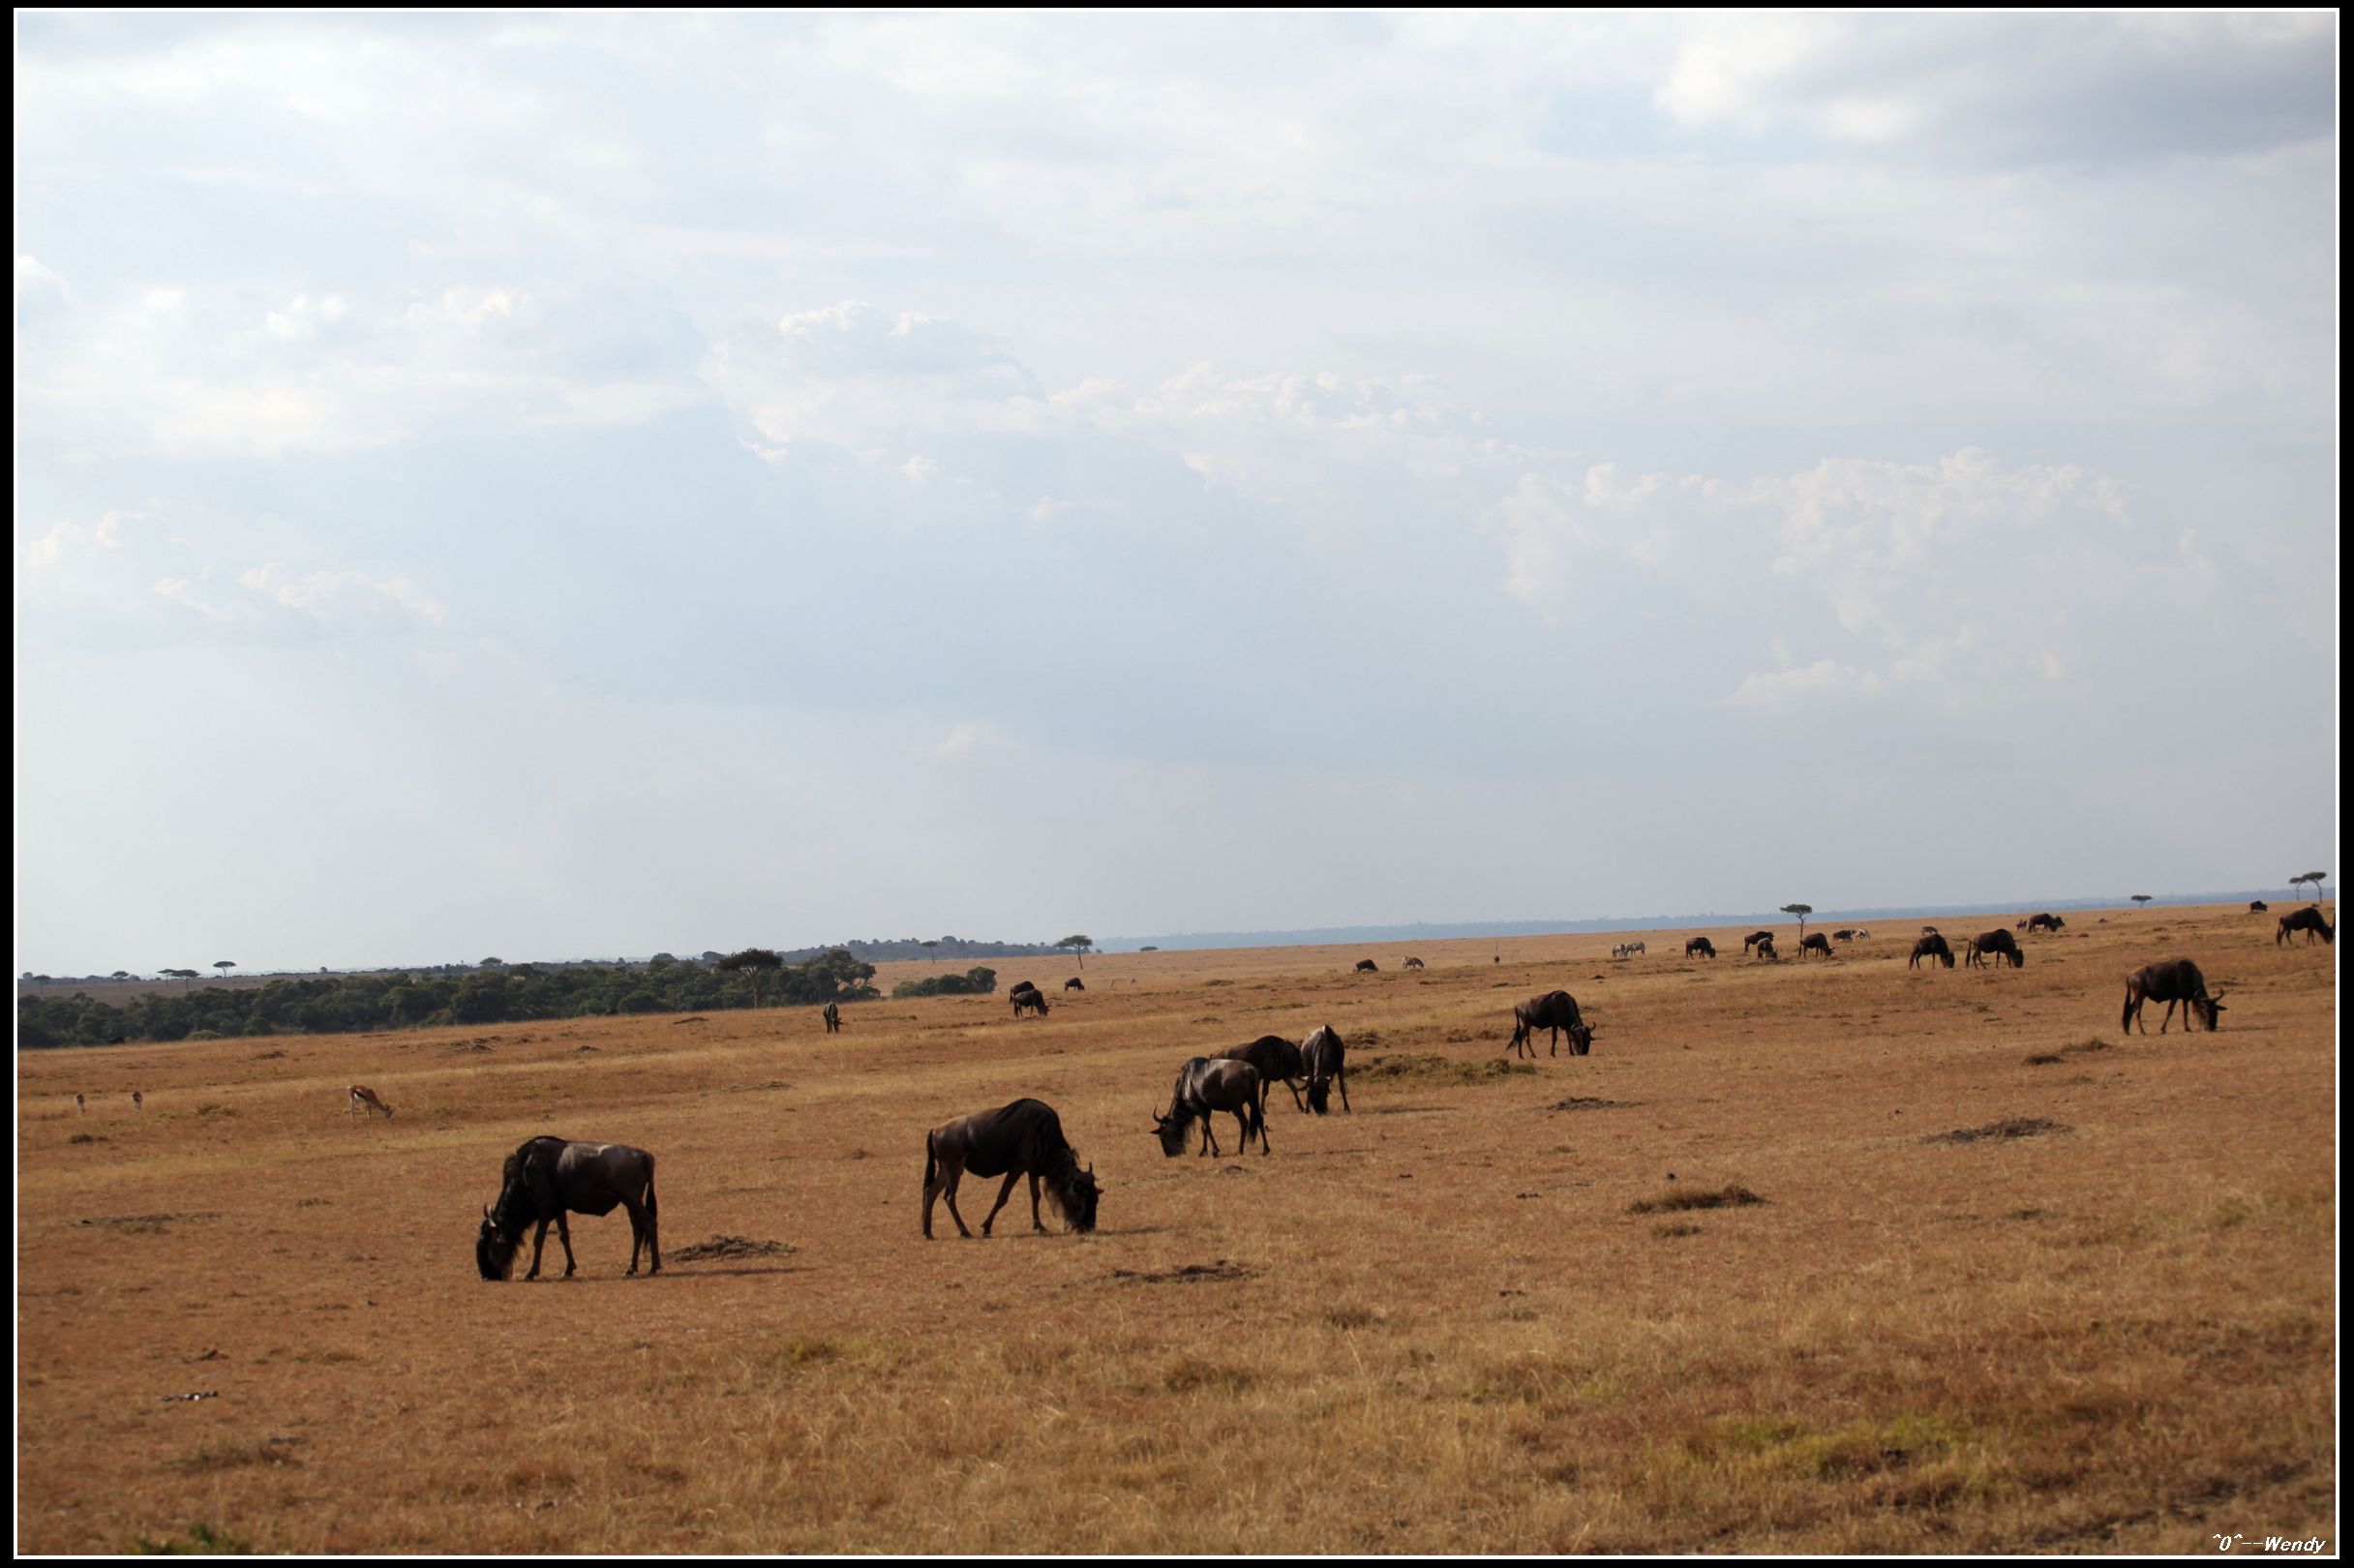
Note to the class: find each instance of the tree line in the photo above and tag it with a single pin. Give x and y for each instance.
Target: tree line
(350, 1004)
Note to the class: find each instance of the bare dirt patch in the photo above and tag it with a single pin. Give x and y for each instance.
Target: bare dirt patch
(2015, 1126)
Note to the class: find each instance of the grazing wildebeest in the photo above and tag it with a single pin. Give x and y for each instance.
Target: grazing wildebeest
(1863, 935)
(1814, 942)
(1557, 1011)
(1765, 948)
(1701, 947)
(1843, 936)
(1627, 950)
(2177, 979)
(1325, 1060)
(1413, 963)
(1931, 945)
(1035, 1000)
(138, 1102)
(365, 1101)
(80, 1107)
(832, 1015)
(1754, 938)
(1928, 930)
(1075, 983)
(1999, 942)
(1019, 987)
(1277, 1060)
(2044, 923)
(2257, 906)
(2309, 920)
(1022, 1139)
(547, 1178)
(1365, 966)
(1204, 1086)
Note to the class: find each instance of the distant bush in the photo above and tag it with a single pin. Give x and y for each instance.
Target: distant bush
(975, 982)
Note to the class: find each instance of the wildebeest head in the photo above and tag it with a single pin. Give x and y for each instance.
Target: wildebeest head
(2209, 1006)
(1581, 1038)
(1075, 1191)
(494, 1250)
(1172, 1129)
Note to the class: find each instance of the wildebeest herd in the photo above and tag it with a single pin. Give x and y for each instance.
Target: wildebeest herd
(547, 1178)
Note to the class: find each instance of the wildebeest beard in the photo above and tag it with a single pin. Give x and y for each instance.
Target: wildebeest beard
(1172, 1128)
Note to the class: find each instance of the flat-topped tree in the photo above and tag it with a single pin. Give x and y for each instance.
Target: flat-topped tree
(1080, 945)
(2140, 899)
(224, 966)
(1801, 911)
(2316, 878)
(754, 963)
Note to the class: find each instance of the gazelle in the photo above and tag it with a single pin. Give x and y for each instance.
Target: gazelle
(366, 1102)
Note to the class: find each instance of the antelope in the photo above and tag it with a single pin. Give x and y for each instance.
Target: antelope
(367, 1104)
(80, 1106)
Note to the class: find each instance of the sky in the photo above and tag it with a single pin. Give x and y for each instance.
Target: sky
(550, 486)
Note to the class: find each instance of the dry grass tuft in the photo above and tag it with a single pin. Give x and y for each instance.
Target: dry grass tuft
(1429, 1067)
(729, 1246)
(2015, 1126)
(1732, 1196)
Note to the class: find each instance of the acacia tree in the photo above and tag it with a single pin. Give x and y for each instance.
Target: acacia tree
(2140, 899)
(1081, 946)
(2316, 878)
(1801, 911)
(224, 966)
(754, 963)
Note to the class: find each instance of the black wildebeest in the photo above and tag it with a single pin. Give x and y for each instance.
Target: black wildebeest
(1814, 942)
(1365, 966)
(1557, 1011)
(1413, 963)
(2177, 979)
(1754, 938)
(1019, 987)
(2257, 906)
(833, 1014)
(1204, 1086)
(2309, 920)
(1700, 947)
(1931, 945)
(1022, 1139)
(1999, 942)
(1033, 998)
(1075, 983)
(1277, 1060)
(1325, 1059)
(1765, 948)
(546, 1178)
(2044, 923)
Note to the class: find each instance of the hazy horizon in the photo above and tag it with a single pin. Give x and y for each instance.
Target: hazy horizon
(548, 482)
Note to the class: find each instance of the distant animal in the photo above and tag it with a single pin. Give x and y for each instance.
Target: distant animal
(1325, 1059)
(1863, 935)
(2257, 906)
(1999, 942)
(1205, 1086)
(1557, 1011)
(1843, 936)
(1024, 1138)
(366, 1101)
(2177, 979)
(1277, 1060)
(1931, 945)
(1766, 949)
(2044, 923)
(1814, 942)
(833, 1014)
(546, 1178)
(1928, 930)
(1413, 963)
(1699, 947)
(1627, 950)
(2309, 920)
(1019, 987)
(138, 1102)
(1365, 966)
(1032, 1001)
(1075, 983)
(1754, 938)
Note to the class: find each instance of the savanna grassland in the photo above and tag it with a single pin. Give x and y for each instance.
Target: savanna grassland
(1482, 1312)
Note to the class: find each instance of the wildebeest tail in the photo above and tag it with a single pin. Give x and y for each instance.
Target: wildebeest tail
(931, 1163)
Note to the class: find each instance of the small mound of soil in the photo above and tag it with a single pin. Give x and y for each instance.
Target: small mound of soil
(1187, 1274)
(731, 1247)
(2016, 1127)
(1588, 1102)
(697, 1018)
(1734, 1197)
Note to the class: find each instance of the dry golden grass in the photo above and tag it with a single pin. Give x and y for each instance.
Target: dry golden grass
(1437, 1324)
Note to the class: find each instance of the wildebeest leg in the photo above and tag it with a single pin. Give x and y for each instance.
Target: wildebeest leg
(1208, 1140)
(948, 1180)
(1262, 1129)
(539, 1241)
(1342, 1078)
(637, 1231)
(2168, 1018)
(1004, 1192)
(1036, 1224)
(563, 1233)
(1297, 1103)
